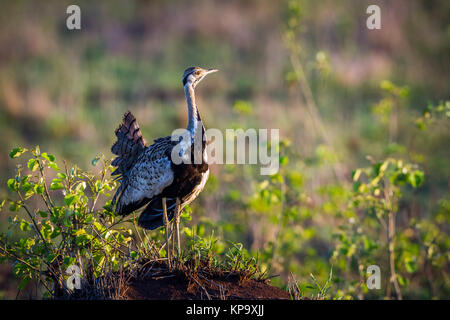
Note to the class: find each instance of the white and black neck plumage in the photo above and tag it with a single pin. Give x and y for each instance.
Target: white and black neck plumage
(194, 119)
(191, 77)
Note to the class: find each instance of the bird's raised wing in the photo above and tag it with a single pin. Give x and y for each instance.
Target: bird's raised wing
(148, 177)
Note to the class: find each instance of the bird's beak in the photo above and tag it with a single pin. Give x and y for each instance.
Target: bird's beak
(211, 71)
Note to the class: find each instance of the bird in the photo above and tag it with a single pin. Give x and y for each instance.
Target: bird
(152, 176)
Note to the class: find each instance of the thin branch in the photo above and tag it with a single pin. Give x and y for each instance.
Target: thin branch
(33, 220)
(9, 253)
(47, 194)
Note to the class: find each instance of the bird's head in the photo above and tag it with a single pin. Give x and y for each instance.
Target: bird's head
(194, 75)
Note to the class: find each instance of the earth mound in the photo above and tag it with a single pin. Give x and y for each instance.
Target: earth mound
(154, 280)
(182, 286)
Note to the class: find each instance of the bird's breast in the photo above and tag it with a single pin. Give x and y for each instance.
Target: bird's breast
(197, 189)
(188, 181)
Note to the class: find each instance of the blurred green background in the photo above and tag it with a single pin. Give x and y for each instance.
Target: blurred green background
(337, 91)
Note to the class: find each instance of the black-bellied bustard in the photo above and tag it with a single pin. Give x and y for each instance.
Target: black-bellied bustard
(151, 176)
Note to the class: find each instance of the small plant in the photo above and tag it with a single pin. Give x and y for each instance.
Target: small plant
(210, 253)
(321, 292)
(432, 113)
(377, 196)
(56, 224)
(387, 110)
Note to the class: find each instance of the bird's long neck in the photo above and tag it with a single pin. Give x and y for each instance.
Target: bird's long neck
(194, 120)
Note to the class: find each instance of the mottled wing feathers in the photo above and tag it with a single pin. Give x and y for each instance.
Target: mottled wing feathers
(147, 178)
(129, 144)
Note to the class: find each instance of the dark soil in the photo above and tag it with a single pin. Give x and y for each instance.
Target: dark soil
(153, 280)
(179, 286)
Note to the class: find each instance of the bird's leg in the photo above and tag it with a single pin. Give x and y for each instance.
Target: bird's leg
(172, 235)
(177, 224)
(166, 227)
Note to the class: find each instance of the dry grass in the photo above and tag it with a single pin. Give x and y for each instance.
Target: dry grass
(152, 279)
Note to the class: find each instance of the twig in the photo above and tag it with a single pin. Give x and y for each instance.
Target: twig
(47, 194)
(391, 246)
(198, 283)
(7, 252)
(33, 220)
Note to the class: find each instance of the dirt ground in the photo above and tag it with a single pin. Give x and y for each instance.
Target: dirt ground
(179, 286)
(155, 281)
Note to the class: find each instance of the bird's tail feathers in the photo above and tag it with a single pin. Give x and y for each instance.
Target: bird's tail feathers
(129, 144)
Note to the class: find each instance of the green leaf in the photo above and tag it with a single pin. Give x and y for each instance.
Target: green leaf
(79, 232)
(95, 161)
(411, 266)
(400, 178)
(53, 165)
(186, 216)
(13, 185)
(356, 174)
(17, 152)
(61, 175)
(82, 240)
(43, 214)
(80, 187)
(187, 231)
(56, 184)
(243, 107)
(27, 186)
(416, 178)
(89, 218)
(284, 160)
(296, 179)
(14, 206)
(24, 225)
(55, 233)
(402, 281)
(99, 226)
(33, 164)
(68, 261)
(48, 157)
(46, 229)
(98, 185)
(70, 199)
(383, 166)
(39, 188)
(18, 269)
(420, 124)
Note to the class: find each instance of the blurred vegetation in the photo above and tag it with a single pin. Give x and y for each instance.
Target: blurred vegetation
(363, 116)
